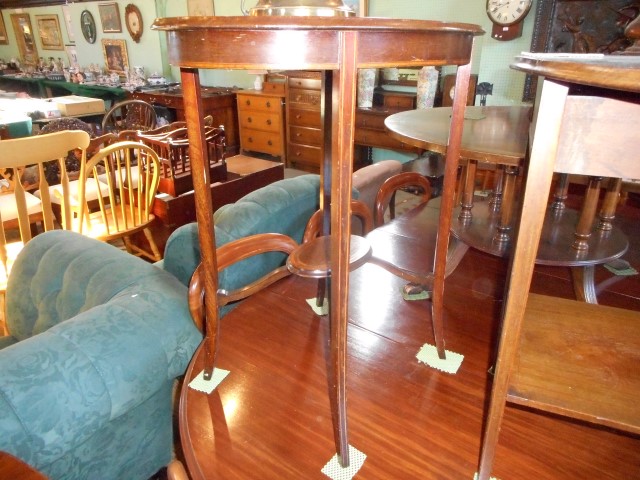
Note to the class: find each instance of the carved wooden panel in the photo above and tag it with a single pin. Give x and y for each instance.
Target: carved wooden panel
(580, 26)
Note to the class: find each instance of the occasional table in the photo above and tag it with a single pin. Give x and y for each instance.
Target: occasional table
(338, 47)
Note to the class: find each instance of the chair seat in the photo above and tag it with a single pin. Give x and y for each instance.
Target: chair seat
(9, 209)
(114, 226)
(91, 192)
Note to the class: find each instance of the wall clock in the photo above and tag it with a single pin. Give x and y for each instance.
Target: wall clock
(88, 26)
(507, 17)
(133, 19)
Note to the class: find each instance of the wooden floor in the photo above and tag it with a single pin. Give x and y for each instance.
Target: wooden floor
(270, 418)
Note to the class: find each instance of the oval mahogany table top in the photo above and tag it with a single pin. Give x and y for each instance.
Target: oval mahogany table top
(491, 134)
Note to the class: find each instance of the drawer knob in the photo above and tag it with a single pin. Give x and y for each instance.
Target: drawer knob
(269, 143)
(248, 102)
(298, 116)
(298, 134)
(269, 121)
(268, 104)
(250, 139)
(249, 120)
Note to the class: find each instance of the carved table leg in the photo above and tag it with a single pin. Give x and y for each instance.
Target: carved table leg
(587, 215)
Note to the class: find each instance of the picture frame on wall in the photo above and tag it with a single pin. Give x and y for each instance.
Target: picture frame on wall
(110, 17)
(115, 55)
(133, 21)
(24, 36)
(66, 14)
(88, 26)
(72, 54)
(4, 39)
(361, 7)
(49, 31)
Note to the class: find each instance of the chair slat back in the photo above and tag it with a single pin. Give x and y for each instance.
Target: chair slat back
(126, 176)
(23, 162)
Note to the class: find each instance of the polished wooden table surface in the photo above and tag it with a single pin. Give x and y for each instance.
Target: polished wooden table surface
(15, 469)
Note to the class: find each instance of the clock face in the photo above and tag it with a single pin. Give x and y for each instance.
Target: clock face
(507, 12)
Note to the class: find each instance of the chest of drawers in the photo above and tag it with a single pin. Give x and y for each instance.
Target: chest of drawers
(305, 135)
(261, 121)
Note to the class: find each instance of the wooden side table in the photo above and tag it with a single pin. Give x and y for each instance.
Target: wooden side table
(337, 47)
(555, 355)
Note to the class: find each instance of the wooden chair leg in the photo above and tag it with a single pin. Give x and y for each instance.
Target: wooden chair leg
(157, 256)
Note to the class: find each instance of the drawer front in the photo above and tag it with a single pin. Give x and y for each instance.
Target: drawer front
(308, 83)
(269, 122)
(305, 154)
(374, 122)
(305, 118)
(304, 98)
(399, 101)
(258, 103)
(272, 87)
(165, 100)
(261, 141)
(305, 135)
(374, 138)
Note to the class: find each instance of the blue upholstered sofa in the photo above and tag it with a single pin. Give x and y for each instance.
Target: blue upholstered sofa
(283, 207)
(98, 338)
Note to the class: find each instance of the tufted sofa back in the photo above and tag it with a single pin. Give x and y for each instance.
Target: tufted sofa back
(283, 207)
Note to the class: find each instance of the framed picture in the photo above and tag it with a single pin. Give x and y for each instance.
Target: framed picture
(24, 36)
(49, 30)
(4, 40)
(88, 26)
(66, 14)
(72, 54)
(115, 55)
(200, 8)
(361, 7)
(133, 20)
(110, 17)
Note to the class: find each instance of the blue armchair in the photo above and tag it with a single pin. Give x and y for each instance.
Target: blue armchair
(97, 339)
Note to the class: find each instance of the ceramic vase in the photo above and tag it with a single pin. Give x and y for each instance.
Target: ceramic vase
(427, 86)
(366, 84)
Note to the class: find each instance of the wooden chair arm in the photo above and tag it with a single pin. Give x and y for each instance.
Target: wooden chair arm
(234, 252)
(358, 209)
(391, 185)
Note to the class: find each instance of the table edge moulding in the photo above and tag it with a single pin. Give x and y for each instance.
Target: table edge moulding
(338, 47)
(561, 356)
